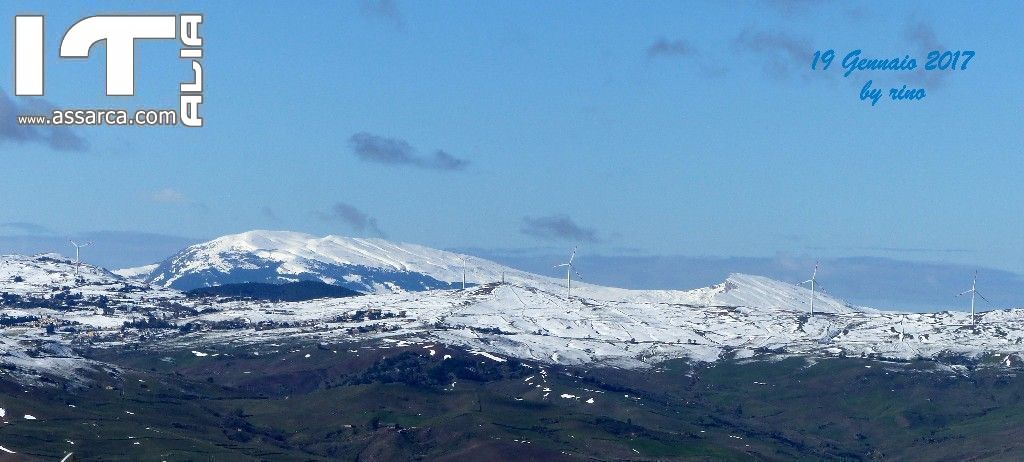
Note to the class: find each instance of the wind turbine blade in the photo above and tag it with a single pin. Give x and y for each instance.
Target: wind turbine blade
(571, 257)
(982, 296)
(965, 292)
(577, 273)
(807, 282)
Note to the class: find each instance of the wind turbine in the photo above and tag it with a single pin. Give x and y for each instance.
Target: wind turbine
(78, 249)
(569, 269)
(463, 271)
(973, 291)
(813, 281)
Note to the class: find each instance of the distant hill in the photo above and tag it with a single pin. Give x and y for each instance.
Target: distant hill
(287, 292)
(365, 265)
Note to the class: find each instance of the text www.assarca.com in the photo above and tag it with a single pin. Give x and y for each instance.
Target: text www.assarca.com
(141, 117)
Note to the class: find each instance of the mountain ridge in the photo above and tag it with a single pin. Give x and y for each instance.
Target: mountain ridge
(361, 264)
(51, 300)
(373, 265)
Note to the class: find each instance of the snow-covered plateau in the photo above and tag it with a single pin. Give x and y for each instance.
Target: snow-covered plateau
(53, 309)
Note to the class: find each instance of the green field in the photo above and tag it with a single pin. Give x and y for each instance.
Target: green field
(400, 404)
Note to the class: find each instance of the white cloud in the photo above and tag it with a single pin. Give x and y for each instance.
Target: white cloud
(169, 196)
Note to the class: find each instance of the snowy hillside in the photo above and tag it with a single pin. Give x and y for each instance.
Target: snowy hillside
(48, 310)
(41, 291)
(47, 274)
(139, 272)
(524, 322)
(759, 291)
(42, 273)
(364, 265)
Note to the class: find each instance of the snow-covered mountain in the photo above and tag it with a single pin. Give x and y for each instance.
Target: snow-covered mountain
(364, 265)
(415, 293)
(381, 266)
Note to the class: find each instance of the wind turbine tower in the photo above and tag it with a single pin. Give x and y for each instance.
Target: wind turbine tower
(813, 281)
(974, 292)
(78, 254)
(569, 270)
(463, 271)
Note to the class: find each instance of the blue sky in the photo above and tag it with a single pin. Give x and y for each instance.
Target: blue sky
(635, 128)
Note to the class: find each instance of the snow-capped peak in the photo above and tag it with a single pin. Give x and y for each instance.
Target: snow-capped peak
(362, 264)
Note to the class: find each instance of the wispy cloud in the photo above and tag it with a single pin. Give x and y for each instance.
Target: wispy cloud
(169, 196)
(356, 219)
(59, 138)
(172, 197)
(386, 10)
(666, 47)
(270, 214)
(921, 37)
(781, 51)
(794, 7)
(557, 227)
(395, 151)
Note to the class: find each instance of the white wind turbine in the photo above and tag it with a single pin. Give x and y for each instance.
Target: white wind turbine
(813, 281)
(973, 291)
(463, 271)
(78, 250)
(569, 269)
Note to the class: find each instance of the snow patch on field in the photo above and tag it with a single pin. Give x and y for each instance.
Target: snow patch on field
(488, 356)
